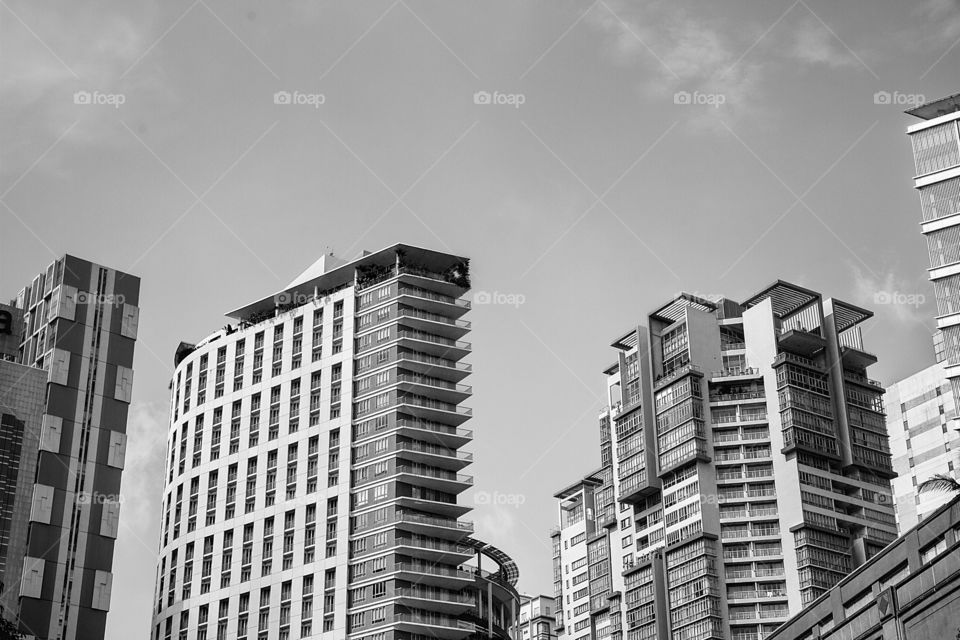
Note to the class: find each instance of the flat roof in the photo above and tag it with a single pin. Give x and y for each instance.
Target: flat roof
(673, 310)
(786, 297)
(344, 274)
(848, 315)
(569, 490)
(936, 108)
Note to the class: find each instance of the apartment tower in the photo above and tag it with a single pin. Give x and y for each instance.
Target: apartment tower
(744, 471)
(64, 398)
(924, 441)
(936, 153)
(537, 618)
(314, 465)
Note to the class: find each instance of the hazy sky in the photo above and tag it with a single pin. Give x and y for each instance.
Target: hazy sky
(586, 189)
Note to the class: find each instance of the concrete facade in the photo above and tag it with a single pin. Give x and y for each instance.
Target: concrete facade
(909, 591)
(924, 441)
(537, 619)
(745, 471)
(314, 459)
(77, 327)
(936, 153)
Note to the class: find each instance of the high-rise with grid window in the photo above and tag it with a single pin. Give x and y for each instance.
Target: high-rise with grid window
(745, 470)
(314, 466)
(936, 154)
(66, 376)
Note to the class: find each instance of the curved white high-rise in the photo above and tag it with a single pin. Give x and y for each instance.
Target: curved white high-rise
(314, 466)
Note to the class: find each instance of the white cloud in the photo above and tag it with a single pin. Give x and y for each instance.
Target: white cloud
(814, 44)
(892, 296)
(51, 53)
(731, 58)
(945, 15)
(142, 482)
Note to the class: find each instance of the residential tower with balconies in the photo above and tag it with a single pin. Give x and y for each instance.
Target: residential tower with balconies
(745, 470)
(315, 462)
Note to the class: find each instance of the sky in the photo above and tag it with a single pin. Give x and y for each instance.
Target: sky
(591, 159)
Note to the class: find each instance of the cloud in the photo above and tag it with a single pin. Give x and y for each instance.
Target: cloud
(49, 54)
(730, 57)
(889, 295)
(815, 45)
(142, 482)
(945, 15)
(495, 523)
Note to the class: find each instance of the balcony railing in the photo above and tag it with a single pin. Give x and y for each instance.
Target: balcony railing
(666, 378)
(435, 427)
(433, 382)
(421, 447)
(435, 339)
(432, 521)
(416, 356)
(763, 593)
(434, 473)
(417, 292)
(728, 397)
(433, 317)
(736, 371)
(434, 594)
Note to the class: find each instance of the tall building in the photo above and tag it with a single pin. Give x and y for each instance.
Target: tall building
(910, 590)
(924, 441)
(348, 430)
(537, 618)
(745, 470)
(936, 153)
(64, 398)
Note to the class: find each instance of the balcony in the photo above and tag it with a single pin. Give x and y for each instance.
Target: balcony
(433, 365)
(635, 488)
(435, 323)
(733, 515)
(759, 594)
(442, 434)
(432, 478)
(801, 342)
(856, 378)
(439, 600)
(446, 528)
(666, 378)
(434, 410)
(738, 373)
(736, 397)
(855, 358)
(433, 626)
(430, 279)
(785, 357)
(434, 388)
(432, 344)
(432, 302)
(434, 455)
(424, 548)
